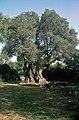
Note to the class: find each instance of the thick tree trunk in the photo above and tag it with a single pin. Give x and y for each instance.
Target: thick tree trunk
(40, 79)
(32, 78)
(28, 75)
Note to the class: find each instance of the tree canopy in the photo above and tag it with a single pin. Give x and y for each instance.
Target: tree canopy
(39, 41)
(54, 37)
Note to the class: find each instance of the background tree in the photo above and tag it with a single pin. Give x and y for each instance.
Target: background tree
(73, 66)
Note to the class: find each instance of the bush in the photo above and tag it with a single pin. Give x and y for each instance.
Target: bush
(8, 74)
(61, 74)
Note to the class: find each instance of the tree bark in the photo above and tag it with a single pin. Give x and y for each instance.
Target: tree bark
(28, 75)
(39, 78)
(34, 77)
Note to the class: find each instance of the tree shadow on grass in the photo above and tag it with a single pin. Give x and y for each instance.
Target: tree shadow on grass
(15, 97)
(44, 103)
(20, 100)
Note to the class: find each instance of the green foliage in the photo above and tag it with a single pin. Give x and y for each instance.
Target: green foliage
(39, 41)
(73, 65)
(4, 56)
(20, 37)
(1, 61)
(3, 27)
(27, 52)
(54, 38)
(8, 74)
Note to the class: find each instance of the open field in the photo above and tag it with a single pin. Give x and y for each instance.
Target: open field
(38, 103)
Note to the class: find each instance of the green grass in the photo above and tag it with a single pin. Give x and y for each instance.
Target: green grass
(38, 103)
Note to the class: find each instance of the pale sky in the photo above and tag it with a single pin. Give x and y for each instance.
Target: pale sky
(68, 9)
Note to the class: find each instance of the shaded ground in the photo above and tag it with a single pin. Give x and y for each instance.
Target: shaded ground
(39, 103)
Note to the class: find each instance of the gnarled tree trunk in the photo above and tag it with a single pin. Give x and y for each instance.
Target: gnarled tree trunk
(34, 78)
(28, 75)
(39, 78)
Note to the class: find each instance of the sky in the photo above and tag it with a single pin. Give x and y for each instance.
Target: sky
(68, 9)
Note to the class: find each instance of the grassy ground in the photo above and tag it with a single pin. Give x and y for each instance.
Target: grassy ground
(38, 103)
